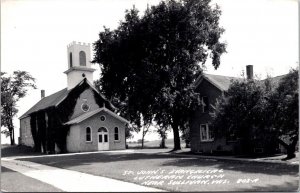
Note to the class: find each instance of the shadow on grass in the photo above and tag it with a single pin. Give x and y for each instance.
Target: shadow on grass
(176, 161)
(17, 150)
(146, 147)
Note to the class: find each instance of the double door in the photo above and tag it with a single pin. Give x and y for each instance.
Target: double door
(103, 139)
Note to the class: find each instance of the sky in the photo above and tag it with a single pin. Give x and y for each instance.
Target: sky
(35, 35)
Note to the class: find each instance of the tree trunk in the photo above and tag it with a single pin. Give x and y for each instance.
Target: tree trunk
(11, 133)
(290, 148)
(143, 141)
(187, 143)
(163, 142)
(176, 137)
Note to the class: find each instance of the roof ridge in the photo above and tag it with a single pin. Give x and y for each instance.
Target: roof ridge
(223, 75)
(40, 101)
(87, 115)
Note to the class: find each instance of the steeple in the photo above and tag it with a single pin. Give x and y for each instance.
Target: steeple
(79, 65)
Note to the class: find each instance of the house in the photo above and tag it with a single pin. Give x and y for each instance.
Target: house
(77, 118)
(211, 87)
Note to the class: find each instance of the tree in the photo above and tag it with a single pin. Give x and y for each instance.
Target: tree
(260, 112)
(285, 107)
(186, 135)
(12, 90)
(239, 113)
(150, 63)
(122, 107)
(162, 132)
(145, 130)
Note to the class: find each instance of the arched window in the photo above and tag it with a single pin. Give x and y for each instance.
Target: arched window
(71, 61)
(116, 133)
(88, 134)
(82, 58)
(102, 129)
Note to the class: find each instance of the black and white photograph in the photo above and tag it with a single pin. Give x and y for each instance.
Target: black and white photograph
(150, 95)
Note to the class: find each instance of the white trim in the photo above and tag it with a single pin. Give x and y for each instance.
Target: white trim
(207, 134)
(115, 115)
(83, 68)
(103, 134)
(91, 113)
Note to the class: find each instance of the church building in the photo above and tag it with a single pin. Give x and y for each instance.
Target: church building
(77, 118)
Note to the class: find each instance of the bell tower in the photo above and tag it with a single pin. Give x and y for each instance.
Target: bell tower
(79, 65)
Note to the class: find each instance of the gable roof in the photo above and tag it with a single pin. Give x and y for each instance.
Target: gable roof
(56, 98)
(91, 113)
(48, 101)
(223, 82)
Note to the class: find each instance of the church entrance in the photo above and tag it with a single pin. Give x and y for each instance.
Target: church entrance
(103, 143)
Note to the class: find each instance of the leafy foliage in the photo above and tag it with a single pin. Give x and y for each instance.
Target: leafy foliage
(162, 132)
(285, 116)
(240, 113)
(285, 99)
(13, 88)
(55, 131)
(149, 63)
(259, 112)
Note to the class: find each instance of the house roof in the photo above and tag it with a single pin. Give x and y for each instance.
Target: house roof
(48, 101)
(57, 98)
(223, 82)
(91, 113)
(277, 79)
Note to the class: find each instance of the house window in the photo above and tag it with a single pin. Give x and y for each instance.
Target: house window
(205, 133)
(116, 133)
(88, 134)
(205, 104)
(82, 58)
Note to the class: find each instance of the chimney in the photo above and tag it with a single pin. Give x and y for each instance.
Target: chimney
(42, 94)
(249, 70)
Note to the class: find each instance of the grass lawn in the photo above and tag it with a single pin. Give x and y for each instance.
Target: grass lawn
(17, 150)
(192, 173)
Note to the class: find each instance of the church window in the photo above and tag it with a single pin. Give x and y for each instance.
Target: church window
(102, 129)
(85, 107)
(102, 118)
(116, 133)
(88, 134)
(82, 58)
(71, 61)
